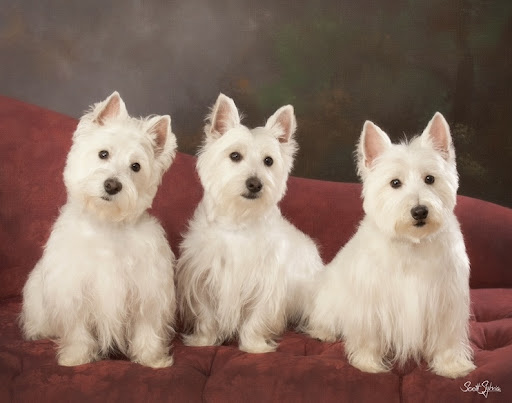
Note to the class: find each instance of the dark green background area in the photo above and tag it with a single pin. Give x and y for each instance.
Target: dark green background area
(338, 62)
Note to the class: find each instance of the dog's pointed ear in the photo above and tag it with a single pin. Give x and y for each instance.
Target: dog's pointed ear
(113, 107)
(283, 122)
(224, 117)
(437, 135)
(160, 128)
(373, 142)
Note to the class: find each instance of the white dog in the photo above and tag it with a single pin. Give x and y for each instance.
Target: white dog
(244, 270)
(399, 289)
(105, 280)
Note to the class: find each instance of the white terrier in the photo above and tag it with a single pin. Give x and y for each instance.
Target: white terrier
(105, 280)
(244, 270)
(399, 289)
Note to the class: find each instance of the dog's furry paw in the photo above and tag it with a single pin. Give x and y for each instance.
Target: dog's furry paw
(70, 356)
(368, 362)
(199, 340)
(452, 366)
(259, 346)
(161, 362)
(322, 335)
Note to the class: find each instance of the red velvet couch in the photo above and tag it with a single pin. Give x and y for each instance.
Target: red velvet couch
(33, 146)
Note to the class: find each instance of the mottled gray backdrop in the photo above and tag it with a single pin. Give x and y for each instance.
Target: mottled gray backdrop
(339, 62)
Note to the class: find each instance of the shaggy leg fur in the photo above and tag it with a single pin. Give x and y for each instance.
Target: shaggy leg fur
(206, 332)
(77, 347)
(33, 317)
(149, 345)
(365, 354)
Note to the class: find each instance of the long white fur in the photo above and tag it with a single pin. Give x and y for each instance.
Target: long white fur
(396, 291)
(105, 279)
(244, 270)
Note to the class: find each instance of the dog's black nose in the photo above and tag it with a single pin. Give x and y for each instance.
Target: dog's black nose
(112, 186)
(419, 212)
(253, 184)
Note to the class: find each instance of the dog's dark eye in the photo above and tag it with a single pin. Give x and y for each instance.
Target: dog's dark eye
(235, 156)
(103, 154)
(135, 167)
(395, 183)
(268, 161)
(429, 179)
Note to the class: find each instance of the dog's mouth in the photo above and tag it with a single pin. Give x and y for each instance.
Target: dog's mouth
(420, 223)
(106, 198)
(251, 196)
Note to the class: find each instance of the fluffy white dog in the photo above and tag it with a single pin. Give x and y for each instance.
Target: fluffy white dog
(399, 289)
(105, 280)
(244, 270)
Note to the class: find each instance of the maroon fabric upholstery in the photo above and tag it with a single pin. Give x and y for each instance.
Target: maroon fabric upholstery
(33, 145)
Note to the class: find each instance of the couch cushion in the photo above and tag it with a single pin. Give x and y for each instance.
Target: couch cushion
(302, 369)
